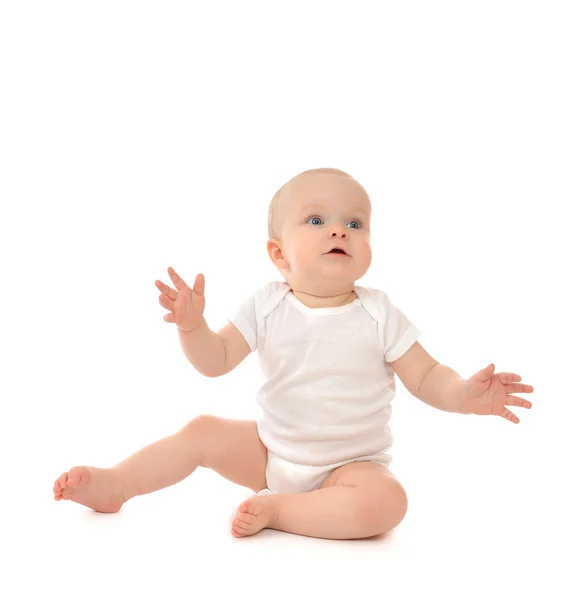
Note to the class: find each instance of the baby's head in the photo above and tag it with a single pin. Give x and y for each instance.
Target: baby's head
(311, 214)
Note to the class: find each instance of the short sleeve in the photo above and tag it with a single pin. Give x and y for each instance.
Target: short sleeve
(399, 333)
(245, 320)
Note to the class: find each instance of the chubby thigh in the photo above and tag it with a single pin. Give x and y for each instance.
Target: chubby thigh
(287, 477)
(232, 448)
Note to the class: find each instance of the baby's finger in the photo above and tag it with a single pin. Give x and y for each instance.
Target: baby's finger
(516, 401)
(166, 302)
(509, 416)
(166, 289)
(169, 318)
(178, 281)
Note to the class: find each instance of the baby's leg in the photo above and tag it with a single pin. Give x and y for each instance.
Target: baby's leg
(229, 446)
(359, 499)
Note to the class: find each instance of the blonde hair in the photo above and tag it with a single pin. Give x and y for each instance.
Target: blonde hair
(273, 225)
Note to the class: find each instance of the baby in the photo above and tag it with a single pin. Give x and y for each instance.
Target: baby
(329, 350)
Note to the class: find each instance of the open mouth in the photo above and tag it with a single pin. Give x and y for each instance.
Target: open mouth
(338, 251)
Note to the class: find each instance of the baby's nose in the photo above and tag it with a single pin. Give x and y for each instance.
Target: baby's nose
(338, 229)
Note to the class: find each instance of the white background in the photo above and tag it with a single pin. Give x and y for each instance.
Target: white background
(139, 135)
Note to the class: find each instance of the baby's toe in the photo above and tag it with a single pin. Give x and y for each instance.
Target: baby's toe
(61, 482)
(241, 529)
(241, 523)
(245, 518)
(249, 507)
(78, 476)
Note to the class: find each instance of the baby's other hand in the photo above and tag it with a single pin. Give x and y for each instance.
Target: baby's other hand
(186, 304)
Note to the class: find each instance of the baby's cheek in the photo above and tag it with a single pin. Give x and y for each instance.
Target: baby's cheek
(366, 253)
(304, 246)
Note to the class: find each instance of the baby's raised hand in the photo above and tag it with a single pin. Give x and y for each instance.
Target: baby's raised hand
(489, 393)
(186, 305)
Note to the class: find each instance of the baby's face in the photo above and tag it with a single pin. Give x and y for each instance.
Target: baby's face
(320, 212)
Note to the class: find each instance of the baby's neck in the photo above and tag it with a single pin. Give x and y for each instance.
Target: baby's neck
(313, 301)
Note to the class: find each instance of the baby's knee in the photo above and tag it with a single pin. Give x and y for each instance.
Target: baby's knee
(385, 506)
(200, 425)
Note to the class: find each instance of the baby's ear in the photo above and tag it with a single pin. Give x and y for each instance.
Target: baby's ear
(275, 253)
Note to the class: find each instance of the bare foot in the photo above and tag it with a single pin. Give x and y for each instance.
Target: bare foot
(91, 486)
(255, 514)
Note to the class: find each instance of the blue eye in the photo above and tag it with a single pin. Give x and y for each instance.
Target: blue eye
(319, 221)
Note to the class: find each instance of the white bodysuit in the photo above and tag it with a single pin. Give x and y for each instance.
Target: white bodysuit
(326, 399)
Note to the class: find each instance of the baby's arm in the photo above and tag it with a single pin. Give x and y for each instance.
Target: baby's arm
(204, 349)
(214, 354)
(236, 347)
(428, 380)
